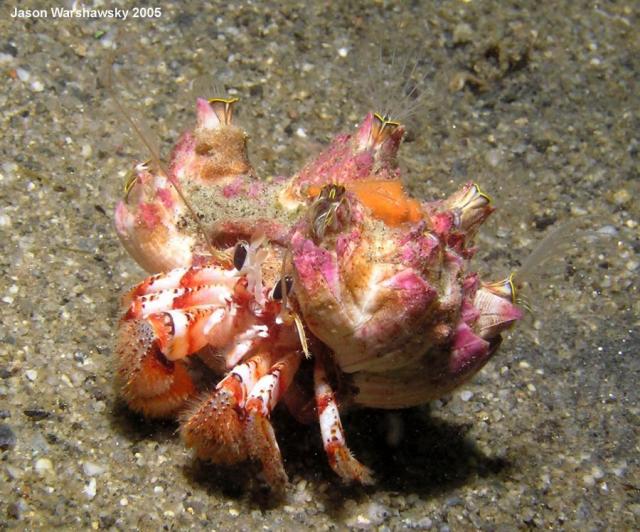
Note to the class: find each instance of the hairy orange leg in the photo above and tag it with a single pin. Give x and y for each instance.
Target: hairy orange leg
(340, 457)
(150, 383)
(214, 426)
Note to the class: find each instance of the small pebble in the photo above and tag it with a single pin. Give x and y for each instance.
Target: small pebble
(43, 466)
(466, 395)
(621, 197)
(36, 413)
(608, 230)
(90, 489)
(7, 437)
(31, 374)
(38, 444)
(376, 513)
(620, 468)
(597, 472)
(13, 473)
(16, 509)
(462, 33)
(23, 75)
(87, 151)
(493, 157)
(5, 58)
(91, 470)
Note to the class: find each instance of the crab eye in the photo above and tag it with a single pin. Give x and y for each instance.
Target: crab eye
(276, 293)
(240, 255)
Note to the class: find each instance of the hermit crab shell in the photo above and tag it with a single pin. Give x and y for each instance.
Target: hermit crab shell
(394, 302)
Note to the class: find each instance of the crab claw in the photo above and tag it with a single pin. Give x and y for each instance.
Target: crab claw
(381, 135)
(467, 350)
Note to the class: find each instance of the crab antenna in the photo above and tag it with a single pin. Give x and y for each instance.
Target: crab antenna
(287, 313)
(301, 334)
(107, 77)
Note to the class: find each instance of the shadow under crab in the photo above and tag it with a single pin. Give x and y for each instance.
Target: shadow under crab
(434, 457)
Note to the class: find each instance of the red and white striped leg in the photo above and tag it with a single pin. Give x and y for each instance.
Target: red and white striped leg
(259, 435)
(340, 457)
(164, 323)
(183, 278)
(214, 427)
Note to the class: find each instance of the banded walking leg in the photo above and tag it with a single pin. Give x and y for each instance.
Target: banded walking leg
(340, 457)
(259, 435)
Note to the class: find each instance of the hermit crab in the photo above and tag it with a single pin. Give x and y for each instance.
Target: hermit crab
(336, 269)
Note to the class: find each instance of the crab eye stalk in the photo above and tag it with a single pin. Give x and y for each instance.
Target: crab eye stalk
(240, 255)
(287, 282)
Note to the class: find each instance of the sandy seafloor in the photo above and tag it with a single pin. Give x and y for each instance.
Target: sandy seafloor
(546, 437)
